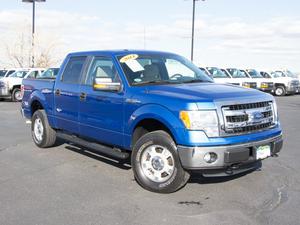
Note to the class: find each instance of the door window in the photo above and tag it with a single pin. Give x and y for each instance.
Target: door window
(102, 67)
(73, 70)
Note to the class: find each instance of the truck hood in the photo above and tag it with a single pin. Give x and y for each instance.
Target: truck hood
(207, 92)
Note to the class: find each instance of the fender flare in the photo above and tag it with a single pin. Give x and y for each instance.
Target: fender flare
(155, 112)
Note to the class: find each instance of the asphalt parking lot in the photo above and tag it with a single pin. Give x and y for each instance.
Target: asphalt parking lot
(67, 185)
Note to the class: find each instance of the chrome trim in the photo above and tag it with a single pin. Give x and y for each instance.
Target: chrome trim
(192, 157)
(237, 101)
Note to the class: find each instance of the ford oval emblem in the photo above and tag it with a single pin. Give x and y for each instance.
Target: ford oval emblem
(257, 115)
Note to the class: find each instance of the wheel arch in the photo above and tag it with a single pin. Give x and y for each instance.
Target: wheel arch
(150, 118)
(147, 125)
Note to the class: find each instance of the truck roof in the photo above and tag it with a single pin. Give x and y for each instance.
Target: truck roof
(117, 52)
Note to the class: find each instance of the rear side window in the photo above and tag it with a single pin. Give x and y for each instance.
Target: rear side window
(73, 70)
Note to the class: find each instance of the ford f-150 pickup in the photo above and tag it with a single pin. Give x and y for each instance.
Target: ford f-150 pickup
(157, 109)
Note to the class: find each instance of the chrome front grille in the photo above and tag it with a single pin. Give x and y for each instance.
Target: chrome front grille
(295, 83)
(244, 118)
(270, 84)
(253, 84)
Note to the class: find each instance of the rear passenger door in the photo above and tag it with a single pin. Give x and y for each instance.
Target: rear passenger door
(67, 94)
(101, 112)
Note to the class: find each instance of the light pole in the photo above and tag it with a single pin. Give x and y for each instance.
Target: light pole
(33, 26)
(193, 29)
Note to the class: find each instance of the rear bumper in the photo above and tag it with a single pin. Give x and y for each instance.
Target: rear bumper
(229, 156)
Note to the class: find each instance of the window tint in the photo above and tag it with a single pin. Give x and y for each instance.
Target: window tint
(73, 70)
(33, 74)
(10, 72)
(2, 73)
(19, 74)
(216, 72)
(102, 67)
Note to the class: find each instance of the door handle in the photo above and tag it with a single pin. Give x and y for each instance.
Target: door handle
(82, 96)
(57, 92)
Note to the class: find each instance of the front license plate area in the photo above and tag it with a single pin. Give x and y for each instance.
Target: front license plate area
(263, 152)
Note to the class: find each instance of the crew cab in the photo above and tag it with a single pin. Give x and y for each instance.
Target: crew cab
(263, 84)
(240, 78)
(284, 85)
(10, 86)
(159, 110)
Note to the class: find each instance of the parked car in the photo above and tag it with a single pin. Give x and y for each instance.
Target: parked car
(240, 78)
(263, 84)
(10, 87)
(288, 73)
(284, 85)
(160, 107)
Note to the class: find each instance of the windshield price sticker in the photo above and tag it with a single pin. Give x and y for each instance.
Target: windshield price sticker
(132, 63)
(126, 58)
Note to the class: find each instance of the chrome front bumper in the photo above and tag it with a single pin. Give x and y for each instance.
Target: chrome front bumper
(192, 158)
(291, 89)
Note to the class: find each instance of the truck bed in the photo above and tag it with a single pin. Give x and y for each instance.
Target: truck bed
(38, 88)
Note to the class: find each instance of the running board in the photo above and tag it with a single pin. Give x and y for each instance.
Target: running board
(113, 152)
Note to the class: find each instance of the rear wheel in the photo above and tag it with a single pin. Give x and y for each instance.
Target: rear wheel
(42, 134)
(156, 163)
(280, 91)
(16, 95)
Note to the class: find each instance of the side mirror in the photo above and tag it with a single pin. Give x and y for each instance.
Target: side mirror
(106, 84)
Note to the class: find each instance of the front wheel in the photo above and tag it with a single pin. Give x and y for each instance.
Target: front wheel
(280, 91)
(42, 134)
(16, 95)
(156, 165)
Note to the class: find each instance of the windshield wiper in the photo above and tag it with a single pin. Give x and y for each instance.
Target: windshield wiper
(195, 81)
(154, 82)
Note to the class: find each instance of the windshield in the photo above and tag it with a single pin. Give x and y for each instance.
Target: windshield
(160, 69)
(254, 74)
(2, 73)
(216, 72)
(19, 74)
(235, 73)
(290, 74)
(50, 73)
(277, 74)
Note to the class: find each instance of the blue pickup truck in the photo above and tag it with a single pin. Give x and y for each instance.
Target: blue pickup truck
(156, 108)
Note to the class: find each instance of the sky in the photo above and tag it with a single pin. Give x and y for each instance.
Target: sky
(260, 34)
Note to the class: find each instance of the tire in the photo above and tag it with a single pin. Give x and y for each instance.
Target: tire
(156, 165)
(280, 91)
(16, 95)
(42, 134)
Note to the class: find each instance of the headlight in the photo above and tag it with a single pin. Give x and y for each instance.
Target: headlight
(201, 120)
(264, 85)
(246, 85)
(2, 84)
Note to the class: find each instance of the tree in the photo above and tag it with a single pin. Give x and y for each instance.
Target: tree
(19, 51)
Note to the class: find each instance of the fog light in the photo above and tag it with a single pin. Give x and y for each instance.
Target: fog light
(210, 157)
